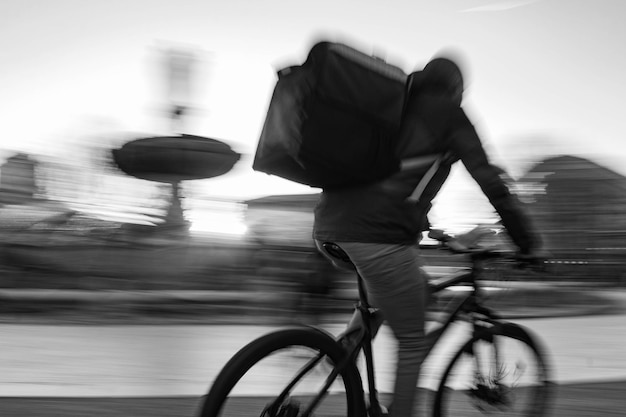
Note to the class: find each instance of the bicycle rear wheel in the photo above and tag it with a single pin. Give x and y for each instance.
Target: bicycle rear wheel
(257, 380)
(501, 371)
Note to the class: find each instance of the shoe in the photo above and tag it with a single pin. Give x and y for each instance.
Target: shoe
(383, 412)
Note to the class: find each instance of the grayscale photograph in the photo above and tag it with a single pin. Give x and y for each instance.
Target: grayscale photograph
(330, 208)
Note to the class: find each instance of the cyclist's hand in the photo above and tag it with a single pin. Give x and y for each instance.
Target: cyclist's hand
(457, 246)
(536, 260)
(474, 237)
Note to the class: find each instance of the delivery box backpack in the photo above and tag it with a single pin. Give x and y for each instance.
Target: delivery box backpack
(333, 120)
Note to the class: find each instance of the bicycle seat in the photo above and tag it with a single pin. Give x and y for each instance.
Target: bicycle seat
(336, 252)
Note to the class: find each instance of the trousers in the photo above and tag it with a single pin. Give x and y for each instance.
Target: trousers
(396, 285)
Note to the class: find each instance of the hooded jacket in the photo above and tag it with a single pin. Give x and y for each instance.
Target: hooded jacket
(380, 212)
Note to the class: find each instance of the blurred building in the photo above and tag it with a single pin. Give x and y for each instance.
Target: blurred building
(285, 220)
(280, 227)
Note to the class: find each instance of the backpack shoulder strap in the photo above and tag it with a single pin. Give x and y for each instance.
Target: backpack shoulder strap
(437, 160)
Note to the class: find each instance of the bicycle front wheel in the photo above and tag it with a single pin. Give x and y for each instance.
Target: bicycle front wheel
(501, 371)
(287, 373)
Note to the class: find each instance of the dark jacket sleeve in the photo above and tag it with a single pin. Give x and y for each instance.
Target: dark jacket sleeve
(464, 141)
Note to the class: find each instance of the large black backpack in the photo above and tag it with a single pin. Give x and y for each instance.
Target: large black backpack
(333, 120)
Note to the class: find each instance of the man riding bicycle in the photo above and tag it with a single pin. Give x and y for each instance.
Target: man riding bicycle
(379, 225)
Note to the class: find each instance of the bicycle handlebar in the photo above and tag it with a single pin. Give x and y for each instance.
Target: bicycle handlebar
(480, 253)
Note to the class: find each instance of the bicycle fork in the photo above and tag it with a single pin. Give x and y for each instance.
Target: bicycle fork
(487, 386)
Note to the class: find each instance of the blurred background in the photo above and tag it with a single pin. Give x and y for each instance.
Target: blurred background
(129, 128)
(139, 250)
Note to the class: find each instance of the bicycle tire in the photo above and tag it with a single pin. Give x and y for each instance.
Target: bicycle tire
(222, 400)
(466, 389)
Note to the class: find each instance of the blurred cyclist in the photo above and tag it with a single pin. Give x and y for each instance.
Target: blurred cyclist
(379, 225)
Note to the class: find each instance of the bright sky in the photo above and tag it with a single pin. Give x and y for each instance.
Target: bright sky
(546, 76)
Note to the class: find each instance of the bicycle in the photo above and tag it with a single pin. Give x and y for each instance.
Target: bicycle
(317, 374)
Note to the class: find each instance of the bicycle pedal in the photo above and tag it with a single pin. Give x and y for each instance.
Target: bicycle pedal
(380, 412)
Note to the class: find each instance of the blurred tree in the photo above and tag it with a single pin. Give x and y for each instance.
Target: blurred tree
(580, 207)
(17, 180)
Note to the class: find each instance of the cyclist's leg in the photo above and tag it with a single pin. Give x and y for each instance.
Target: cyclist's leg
(396, 286)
